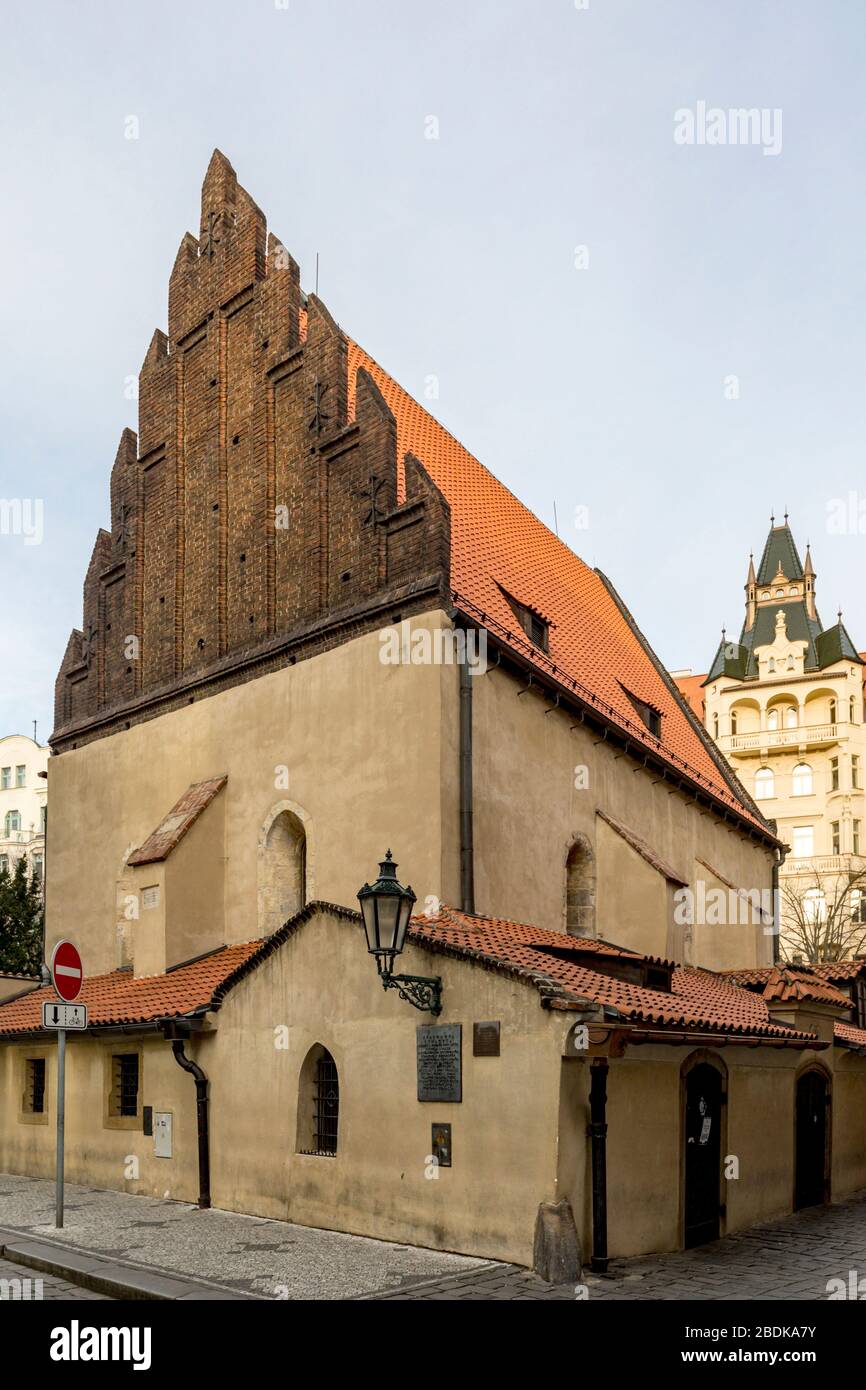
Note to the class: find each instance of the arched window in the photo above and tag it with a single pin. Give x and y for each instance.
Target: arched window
(13, 822)
(832, 711)
(715, 726)
(791, 717)
(765, 784)
(282, 871)
(580, 889)
(801, 782)
(852, 706)
(773, 719)
(771, 664)
(318, 1104)
(733, 721)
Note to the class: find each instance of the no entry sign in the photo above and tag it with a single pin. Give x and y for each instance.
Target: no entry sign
(67, 974)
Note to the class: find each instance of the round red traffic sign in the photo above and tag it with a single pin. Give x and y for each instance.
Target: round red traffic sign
(67, 972)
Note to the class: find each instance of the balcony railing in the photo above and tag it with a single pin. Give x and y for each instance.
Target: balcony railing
(805, 735)
(825, 864)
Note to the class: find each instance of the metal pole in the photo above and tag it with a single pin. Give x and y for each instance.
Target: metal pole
(61, 1122)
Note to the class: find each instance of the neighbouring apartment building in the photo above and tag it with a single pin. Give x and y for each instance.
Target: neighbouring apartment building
(23, 801)
(785, 704)
(318, 627)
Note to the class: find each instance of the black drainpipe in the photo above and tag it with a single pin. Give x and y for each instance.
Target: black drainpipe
(597, 1132)
(467, 849)
(778, 860)
(201, 1103)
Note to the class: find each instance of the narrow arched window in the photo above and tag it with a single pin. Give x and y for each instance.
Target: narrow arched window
(283, 871)
(852, 707)
(580, 889)
(791, 717)
(733, 721)
(765, 784)
(715, 726)
(773, 719)
(832, 711)
(318, 1104)
(802, 780)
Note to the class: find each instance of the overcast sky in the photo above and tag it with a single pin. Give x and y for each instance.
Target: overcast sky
(668, 335)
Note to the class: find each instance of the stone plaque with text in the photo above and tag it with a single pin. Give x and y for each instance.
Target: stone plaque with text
(440, 1061)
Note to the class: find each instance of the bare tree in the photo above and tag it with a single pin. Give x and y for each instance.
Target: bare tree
(823, 916)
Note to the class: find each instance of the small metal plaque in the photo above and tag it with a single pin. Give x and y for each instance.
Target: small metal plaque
(440, 1061)
(485, 1039)
(440, 1145)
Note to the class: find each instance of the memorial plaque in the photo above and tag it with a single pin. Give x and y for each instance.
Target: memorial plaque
(440, 1145)
(440, 1061)
(485, 1039)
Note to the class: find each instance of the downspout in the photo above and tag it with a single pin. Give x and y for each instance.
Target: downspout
(467, 848)
(778, 860)
(597, 1132)
(201, 1103)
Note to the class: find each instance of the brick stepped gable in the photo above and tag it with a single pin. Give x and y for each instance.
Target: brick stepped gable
(243, 411)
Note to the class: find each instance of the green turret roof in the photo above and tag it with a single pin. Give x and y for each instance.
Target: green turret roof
(824, 646)
(780, 552)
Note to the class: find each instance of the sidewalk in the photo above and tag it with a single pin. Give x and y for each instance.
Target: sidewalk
(173, 1250)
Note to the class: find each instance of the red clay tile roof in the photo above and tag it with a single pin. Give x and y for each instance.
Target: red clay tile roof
(594, 649)
(849, 1036)
(839, 969)
(182, 816)
(784, 983)
(121, 998)
(699, 1000)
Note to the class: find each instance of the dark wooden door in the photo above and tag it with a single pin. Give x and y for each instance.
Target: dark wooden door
(703, 1154)
(811, 1125)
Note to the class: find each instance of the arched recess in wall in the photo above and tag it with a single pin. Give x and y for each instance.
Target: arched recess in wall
(318, 1104)
(580, 888)
(285, 865)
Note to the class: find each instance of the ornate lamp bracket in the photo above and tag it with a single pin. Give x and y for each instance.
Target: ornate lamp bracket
(422, 992)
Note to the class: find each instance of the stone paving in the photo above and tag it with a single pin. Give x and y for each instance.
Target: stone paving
(19, 1282)
(793, 1258)
(271, 1259)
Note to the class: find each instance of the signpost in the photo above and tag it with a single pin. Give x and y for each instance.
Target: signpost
(67, 977)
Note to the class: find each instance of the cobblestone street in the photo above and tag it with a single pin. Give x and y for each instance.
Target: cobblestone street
(793, 1258)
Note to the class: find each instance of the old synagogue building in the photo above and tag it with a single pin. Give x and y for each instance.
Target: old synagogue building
(316, 629)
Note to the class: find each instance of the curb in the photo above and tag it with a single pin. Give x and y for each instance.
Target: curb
(111, 1277)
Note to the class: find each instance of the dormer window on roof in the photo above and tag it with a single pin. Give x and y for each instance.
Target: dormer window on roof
(534, 625)
(649, 714)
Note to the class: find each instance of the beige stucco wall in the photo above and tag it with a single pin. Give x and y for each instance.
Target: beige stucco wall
(528, 812)
(370, 754)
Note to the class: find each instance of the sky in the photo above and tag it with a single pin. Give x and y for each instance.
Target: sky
(644, 317)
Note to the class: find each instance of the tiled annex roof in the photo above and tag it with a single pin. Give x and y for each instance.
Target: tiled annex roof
(499, 547)
(700, 1000)
(120, 998)
(182, 816)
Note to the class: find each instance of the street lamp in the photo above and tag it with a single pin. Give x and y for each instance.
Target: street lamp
(386, 907)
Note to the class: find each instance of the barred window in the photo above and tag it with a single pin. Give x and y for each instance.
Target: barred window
(124, 1084)
(34, 1086)
(318, 1104)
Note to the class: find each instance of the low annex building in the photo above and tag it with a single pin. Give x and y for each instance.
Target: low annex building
(745, 1098)
(317, 626)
